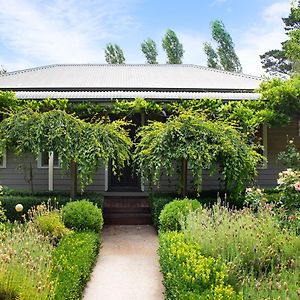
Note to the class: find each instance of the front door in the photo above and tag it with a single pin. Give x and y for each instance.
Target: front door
(128, 181)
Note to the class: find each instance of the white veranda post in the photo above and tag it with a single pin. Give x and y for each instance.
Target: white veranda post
(50, 171)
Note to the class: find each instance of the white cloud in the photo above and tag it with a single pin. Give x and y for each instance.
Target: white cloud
(262, 37)
(66, 31)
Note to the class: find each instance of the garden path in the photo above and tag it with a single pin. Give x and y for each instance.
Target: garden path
(127, 267)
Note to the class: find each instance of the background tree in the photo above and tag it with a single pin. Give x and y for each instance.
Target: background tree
(278, 62)
(172, 47)
(2, 70)
(212, 56)
(114, 54)
(150, 51)
(225, 52)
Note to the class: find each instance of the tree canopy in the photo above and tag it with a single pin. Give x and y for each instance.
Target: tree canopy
(86, 144)
(114, 54)
(204, 144)
(224, 57)
(172, 47)
(149, 49)
(281, 62)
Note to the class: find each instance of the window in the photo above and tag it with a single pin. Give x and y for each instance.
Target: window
(3, 160)
(43, 160)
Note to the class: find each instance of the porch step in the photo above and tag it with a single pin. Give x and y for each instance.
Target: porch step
(126, 211)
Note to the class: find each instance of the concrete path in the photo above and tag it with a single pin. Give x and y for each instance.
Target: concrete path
(127, 267)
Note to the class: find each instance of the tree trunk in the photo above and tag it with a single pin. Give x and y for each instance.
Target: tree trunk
(73, 169)
(184, 173)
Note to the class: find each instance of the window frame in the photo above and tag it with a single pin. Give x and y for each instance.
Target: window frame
(39, 163)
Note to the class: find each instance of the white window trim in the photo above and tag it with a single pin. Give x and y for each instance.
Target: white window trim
(39, 163)
(3, 165)
(264, 165)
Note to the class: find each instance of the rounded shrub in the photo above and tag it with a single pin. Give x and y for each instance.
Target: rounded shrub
(82, 215)
(175, 212)
(50, 224)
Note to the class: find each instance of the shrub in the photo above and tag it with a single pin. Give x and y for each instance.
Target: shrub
(189, 275)
(25, 264)
(73, 260)
(157, 203)
(50, 224)
(28, 201)
(82, 215)
(175, 212)
(256, 249)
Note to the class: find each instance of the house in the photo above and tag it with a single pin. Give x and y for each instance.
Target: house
(106, 83)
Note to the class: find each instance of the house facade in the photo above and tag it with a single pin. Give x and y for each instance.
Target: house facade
(106, 83)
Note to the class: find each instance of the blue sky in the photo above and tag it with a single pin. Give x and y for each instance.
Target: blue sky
(41, 32)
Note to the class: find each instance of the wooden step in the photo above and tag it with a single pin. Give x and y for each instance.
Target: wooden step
(126, 210)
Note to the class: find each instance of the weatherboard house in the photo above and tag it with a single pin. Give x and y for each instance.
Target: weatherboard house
(106, 83)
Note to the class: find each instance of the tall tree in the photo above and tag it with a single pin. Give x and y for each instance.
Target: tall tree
(172, 47)
(2, 70)
(278, 62)
(114, 54)
(212, 56)
(150, 51)
(227, 57)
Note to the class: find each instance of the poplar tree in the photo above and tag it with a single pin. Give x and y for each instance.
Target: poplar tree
(149, 49)
(172, 47)
(114, 54)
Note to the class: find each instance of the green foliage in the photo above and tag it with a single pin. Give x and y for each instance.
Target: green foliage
(203, 143)
(280, 62)
(82, 215)
(25, 264)
(138, 105)
(282, 99)
(73, 139)
(114, 54)
(276, 63)
(51, 225)
(290, 157)
(73, 260)
(225, 53)
(187, 274)
(255, 198)
(258, 252)
(212, 56)
(157, 203)
(175, 212)
(172, 47)
(28, 201)
(150, 51)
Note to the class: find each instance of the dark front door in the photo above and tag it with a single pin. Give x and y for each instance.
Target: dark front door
(128, 181)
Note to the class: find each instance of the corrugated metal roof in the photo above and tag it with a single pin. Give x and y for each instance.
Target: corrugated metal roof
(133, 94)
(128, 77)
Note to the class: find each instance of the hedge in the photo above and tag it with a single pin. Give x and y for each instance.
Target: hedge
(10, 201)
(189, 275)
(73, 261)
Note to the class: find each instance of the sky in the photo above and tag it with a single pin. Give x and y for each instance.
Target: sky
(42, 32)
